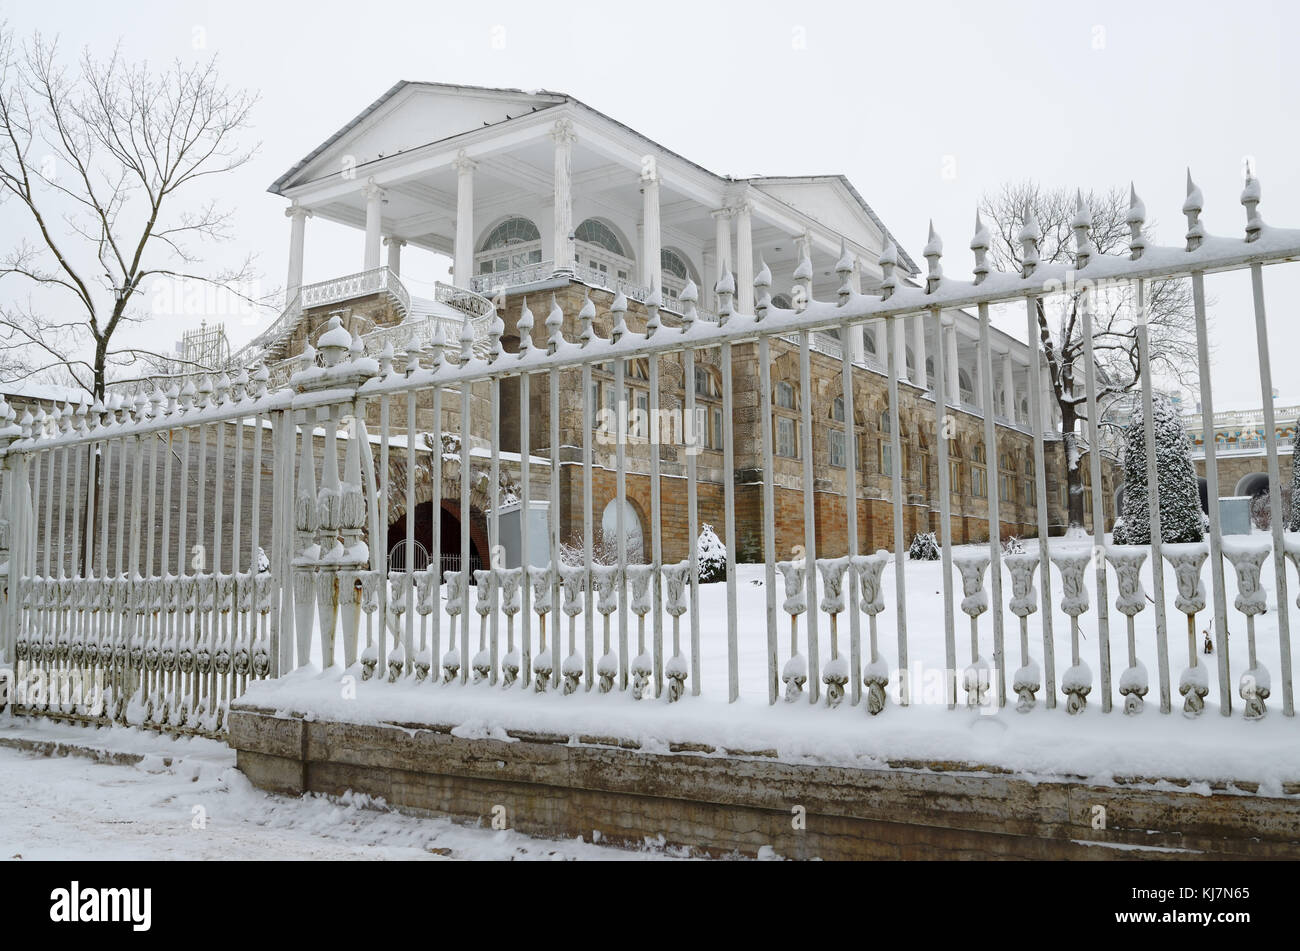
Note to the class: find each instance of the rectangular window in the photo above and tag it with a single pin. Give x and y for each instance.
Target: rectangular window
(715, 431)
(1030, 497)
(643, 418)
(837, 448)
(954, 478)
(786, 437)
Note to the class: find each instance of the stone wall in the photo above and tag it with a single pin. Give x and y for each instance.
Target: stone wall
(726, 801)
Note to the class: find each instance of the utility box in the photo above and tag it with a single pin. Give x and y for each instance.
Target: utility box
(1234, 515)
(539, 542)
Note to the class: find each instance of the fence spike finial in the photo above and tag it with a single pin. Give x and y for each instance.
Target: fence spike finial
(525, 327)
(844, 268)
(932, 252)
(496, 327)
(438, 347)
(585, 317)
(26, 423)
(386, 359)
(689, 295)
(1192, 208)
(652, 304)
(619, 310)
(466, 341)
(980, 245)
(1137, 216)
(1250, 196)
(1028, 238)
(726, 291)
(763, 285)
(1081, 225)
(554, 325)
(888, 260)
(803, 274)
(80, 411)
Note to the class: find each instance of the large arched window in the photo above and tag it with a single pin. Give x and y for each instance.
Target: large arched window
(514, 243)
(674, 273)
(600, 254)
(965, 389)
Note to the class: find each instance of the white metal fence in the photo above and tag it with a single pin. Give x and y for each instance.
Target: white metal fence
(173, 640)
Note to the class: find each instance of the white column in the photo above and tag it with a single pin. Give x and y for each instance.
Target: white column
(463, 263)
(395, 246)
(722, 249)
(709, 272)
(1049, 397)
(918, 353)
(1009, 388)
(979, 384)
(374, 223)
(562, 133)
(745, 259)
(651, 236)
(297, 216)
(900, 347)
(950, 341)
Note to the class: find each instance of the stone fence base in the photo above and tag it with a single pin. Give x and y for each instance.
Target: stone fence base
(721, 802)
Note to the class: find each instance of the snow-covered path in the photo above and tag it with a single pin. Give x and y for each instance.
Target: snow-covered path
(201, 807)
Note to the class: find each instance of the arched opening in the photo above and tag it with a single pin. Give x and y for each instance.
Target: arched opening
(1252, 484)
(448, 522)
(601, 253)
(510, 244)
(632, 530)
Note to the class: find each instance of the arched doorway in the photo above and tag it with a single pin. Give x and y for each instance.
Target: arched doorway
(448, 522)
(1252, 484)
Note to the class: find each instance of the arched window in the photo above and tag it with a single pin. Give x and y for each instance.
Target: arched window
(782, 301)
(514, 243)
(884, 421)
(911, 364)
(929, 373)
(869, 341)
(674, 274)
(965, 389)
(600, 255)
(632, 530)
(511, 231)
(595, 232)
(672, 265)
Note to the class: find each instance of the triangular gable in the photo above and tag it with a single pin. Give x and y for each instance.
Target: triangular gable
(408, 116)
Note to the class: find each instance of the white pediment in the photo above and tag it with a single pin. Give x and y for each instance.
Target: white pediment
(416, 114)
(827, 201)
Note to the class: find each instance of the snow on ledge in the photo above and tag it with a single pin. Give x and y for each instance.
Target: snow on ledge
(1043, 744)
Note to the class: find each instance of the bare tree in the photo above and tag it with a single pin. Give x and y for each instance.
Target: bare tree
(100, 162)
(1168, 304)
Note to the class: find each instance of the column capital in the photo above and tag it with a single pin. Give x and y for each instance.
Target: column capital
(394, 242)
(463, 163)
(372, 190)
(297, 211)
(741, 206)
(721, 213)
(563, 132)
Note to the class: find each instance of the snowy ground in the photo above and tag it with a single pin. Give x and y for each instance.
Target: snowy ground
(201, 807)
(1044, 742)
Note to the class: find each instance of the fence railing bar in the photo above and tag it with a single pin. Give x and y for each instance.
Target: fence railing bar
(729, 516)
(408, 652)
(769, 509)
(1038, 411)
(656, 523)
(525, 516)
(435, 540)
(1097, 499)
(692, 447)
(623, 406)
(892, 331)
(993, 493)
(66, 455)
(1157, 536)
(1274, 488)
(590, 407)
(851, 509)
(941, 430)
(553, 394)
(494, 522)
(809, 511)
(466, 513)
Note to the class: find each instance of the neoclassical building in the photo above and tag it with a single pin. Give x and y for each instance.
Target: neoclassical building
(536, 196)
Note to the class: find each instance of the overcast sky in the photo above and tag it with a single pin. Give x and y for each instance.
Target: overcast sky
(922, 109)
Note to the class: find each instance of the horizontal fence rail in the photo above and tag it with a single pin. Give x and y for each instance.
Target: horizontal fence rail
(343, 455)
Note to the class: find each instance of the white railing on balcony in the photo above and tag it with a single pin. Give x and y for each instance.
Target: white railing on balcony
(176, 638)
(379, 280)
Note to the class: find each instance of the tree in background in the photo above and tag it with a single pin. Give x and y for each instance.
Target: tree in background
(1177, 491)
(1170, 316)
(105, 166)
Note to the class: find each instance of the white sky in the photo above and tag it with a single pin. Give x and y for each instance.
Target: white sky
(1089, 94)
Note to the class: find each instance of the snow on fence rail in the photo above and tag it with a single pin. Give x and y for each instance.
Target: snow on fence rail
(174, 648)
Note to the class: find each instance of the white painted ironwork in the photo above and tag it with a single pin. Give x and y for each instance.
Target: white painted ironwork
(170, 642)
